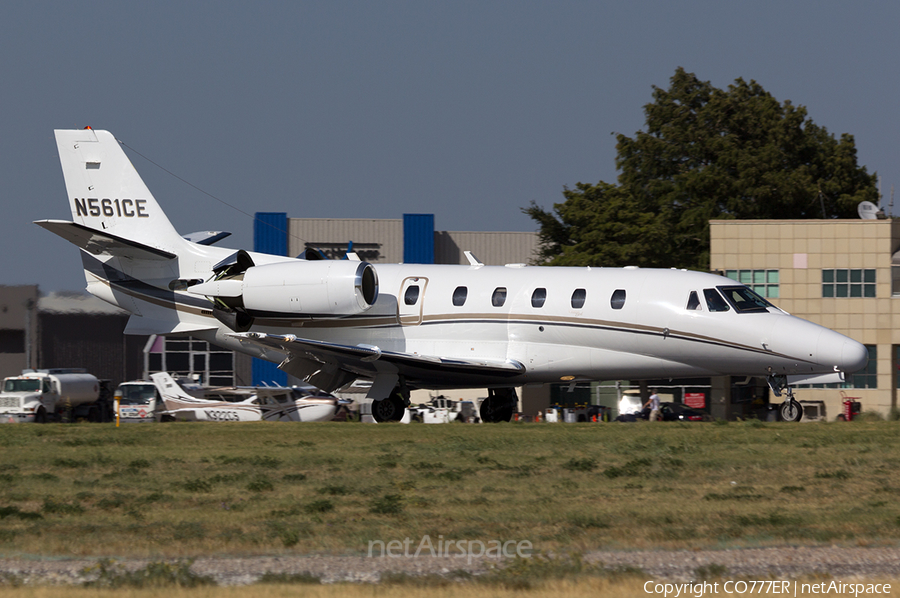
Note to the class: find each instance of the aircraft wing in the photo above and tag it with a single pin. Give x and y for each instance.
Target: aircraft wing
(100, 243)
(330, 366)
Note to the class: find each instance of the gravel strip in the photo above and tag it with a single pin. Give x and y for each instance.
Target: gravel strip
(763, 563)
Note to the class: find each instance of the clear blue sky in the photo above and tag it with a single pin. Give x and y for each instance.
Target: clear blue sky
(468, 110)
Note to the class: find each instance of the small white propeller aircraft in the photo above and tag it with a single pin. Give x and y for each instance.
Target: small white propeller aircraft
(407, 326)
(262, 404)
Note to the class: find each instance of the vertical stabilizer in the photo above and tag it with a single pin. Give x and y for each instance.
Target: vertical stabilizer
(168, 388)
(106, 193)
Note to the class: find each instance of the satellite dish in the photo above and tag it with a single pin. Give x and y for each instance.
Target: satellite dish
(867, 210)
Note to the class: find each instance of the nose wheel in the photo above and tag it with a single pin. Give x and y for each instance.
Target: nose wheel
(791, 410)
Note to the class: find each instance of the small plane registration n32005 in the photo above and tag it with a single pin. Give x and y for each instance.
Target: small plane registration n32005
(406, 326)
(264, 403)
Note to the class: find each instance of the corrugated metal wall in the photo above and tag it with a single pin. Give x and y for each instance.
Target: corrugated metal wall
(382, 241)
(376, 241)
(492, 248)
(94, 342)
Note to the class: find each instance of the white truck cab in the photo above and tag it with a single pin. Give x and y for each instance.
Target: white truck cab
(49, 395)
(138, 401)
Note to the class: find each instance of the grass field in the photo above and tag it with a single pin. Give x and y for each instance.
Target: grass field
(181, 490)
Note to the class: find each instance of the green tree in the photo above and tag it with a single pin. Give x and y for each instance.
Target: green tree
(706, 154)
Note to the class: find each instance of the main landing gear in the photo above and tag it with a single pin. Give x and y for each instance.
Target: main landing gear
(499, 405)
(392, 408)
(791, 410)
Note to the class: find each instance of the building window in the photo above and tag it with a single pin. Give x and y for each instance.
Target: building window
(763, 282)
(459, 296)
(208, 364)
(868, 376)
(499, 297)
(843, 282)
(538, 297)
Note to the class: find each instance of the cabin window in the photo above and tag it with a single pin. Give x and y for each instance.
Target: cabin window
(538, 297)
(411, 295)
(714, 300)
(578, 298)
(617, 301)
(459, 296)
(693, 302)
(499, 297)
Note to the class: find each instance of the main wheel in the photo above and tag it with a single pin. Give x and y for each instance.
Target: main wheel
(496, 409)
(791, 411)
(388, 410)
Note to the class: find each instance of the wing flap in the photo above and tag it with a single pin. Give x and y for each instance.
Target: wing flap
(336, 362)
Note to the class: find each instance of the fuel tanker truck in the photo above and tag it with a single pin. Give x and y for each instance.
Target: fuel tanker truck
(54, 395)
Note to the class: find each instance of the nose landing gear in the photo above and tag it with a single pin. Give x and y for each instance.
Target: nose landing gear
(791, 410)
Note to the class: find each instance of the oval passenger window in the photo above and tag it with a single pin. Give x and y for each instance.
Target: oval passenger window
(538, 297)
(578, 298)
(618, 299)
(459, 296)
(411, 295)
(499, 297)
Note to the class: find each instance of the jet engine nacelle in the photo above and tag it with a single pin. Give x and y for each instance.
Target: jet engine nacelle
(297, 288)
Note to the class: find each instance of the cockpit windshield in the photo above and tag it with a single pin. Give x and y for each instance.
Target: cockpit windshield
(714, 300)
(744, 300)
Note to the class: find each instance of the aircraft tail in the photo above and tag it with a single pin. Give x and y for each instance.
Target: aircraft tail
(106, 193)
(168, 388)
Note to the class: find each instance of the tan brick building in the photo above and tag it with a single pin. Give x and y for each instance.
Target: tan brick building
(837, 273)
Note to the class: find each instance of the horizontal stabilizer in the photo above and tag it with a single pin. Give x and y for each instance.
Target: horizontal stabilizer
(100, 243)
(207, 237)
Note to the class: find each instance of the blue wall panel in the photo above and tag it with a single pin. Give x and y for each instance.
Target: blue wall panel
(269, 236)
(418, 238)
(270, 233)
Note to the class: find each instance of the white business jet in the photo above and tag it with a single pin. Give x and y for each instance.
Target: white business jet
(406, 326)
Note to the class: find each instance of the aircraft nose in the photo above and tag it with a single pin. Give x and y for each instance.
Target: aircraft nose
(838, 351)
(854, 356)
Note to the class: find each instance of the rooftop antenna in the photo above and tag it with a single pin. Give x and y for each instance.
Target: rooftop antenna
(891, 206)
